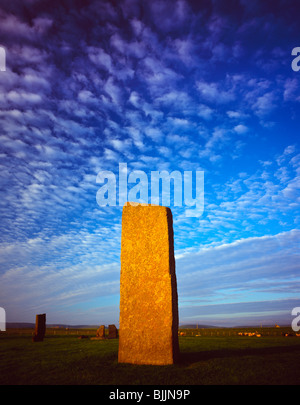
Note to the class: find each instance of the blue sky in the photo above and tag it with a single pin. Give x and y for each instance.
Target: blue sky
(158, 85)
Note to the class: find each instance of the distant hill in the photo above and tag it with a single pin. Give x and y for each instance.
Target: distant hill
(261, 326)
(24, 325)
(56, 325)
(19, 325)
(195, 326)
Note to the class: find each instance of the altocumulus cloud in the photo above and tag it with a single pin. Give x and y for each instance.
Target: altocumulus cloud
(174, 85)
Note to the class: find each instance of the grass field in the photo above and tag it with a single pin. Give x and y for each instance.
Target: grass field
(218, 356)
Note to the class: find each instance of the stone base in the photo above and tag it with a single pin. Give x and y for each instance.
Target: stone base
(98, 338)
(37, 338)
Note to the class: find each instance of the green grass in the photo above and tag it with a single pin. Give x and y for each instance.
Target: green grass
(213, 359)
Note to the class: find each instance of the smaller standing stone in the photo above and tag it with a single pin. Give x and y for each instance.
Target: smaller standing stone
(112, 332)
(40, 328)
(101, 332)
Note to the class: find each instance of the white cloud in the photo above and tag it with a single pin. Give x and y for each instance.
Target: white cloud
(290, 90)
(22, 97)
(264, 104)
(154, 133)
(137, 138)
(100, 58)
(121, 145)
(42, 24)
(240, 129)
(111, 155)
(170, 15)
(135, 99)
(136, 49)
(186, 50)
(236, 114)
(10, 24)
(114, 91)
(212, 92)
(205, 112)
(87, 96)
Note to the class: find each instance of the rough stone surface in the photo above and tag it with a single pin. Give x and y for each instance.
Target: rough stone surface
(40, 328)
(101, 332)
(148, 331)
(112, 332)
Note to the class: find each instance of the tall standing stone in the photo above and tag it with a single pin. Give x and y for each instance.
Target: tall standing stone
(148, 330)
(40, 328)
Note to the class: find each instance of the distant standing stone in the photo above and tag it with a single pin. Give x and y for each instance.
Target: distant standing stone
(40, 328)
(101, 332)
(112, 332)
(148, 332)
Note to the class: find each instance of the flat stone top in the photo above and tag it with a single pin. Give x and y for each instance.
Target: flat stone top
(146, 237)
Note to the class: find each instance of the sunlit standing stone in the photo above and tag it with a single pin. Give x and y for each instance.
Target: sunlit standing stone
(148, 330)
